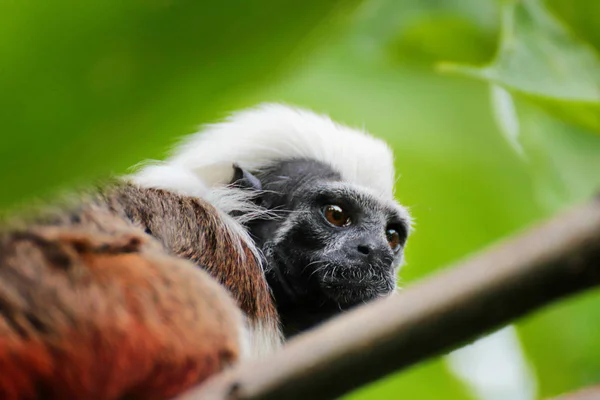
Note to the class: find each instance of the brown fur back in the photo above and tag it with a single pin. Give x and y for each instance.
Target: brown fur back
(92, 306)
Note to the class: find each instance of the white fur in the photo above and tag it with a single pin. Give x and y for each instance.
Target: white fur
(271, 132)
(173, 177)
(264, 339)
(203, 166)
(257, 340)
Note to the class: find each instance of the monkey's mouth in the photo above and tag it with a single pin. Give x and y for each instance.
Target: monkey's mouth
(351, 291)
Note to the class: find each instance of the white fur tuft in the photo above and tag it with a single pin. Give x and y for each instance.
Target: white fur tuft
(268, 133)
(258, 340)
(172, 177)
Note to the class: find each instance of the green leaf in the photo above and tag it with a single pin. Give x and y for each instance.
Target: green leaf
(542, 61)
(88, 88)
(563, 160)
(581, 16)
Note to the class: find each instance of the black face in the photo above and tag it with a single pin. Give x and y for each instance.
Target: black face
(332, 246)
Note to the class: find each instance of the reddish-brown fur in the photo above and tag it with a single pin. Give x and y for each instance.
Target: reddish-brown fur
(91, 307)
(199, 235)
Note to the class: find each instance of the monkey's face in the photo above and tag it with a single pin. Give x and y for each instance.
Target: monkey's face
(338, 246)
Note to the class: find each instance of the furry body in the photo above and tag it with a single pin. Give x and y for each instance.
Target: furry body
(91, 306)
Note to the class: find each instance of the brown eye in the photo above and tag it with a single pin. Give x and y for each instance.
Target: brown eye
(393, 238)
(336, 215)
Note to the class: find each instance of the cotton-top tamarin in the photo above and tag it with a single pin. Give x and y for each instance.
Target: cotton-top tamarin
(255, 229)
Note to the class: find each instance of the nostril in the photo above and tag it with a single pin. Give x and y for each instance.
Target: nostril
(363, 249)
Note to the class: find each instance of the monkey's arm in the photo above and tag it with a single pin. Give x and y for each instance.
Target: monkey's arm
(90, 315)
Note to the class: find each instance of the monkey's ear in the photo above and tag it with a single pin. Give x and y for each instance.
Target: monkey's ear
(244, 179)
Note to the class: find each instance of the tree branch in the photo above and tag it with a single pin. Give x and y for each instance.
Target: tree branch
(590, 393)
(555, 259)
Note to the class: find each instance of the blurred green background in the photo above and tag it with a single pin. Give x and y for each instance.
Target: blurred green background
(492, 107)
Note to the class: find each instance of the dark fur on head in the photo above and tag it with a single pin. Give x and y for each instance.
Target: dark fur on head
(314, 268)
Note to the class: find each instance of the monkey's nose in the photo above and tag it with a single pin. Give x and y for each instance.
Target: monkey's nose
(367, 251)
(364, 249)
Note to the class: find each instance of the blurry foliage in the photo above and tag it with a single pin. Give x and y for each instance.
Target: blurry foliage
(93, 87)
(541, 60)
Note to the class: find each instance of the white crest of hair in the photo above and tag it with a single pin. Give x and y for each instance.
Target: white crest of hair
(260, 136)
